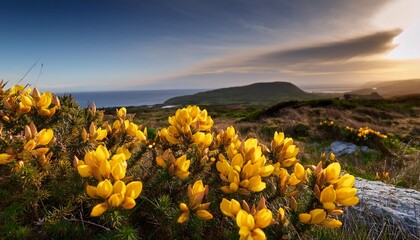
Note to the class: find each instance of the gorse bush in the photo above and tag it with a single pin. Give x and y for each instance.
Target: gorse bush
(67, 172)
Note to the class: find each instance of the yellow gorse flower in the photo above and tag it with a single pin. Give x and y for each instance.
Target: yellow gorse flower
(116, 195)
(22, 100)
(176, 166)
(334, 191)
(196, 193)
(96, 164)
(123, 125)
(250, 221)
(35, 144)
(319, 216)
(228, 137)
(284, 151)
(245, 169)
(184, 124)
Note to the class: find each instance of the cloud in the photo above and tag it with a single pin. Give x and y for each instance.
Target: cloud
(375, 43)
(275, 60)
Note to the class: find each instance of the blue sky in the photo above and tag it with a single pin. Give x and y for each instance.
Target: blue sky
(126, 44)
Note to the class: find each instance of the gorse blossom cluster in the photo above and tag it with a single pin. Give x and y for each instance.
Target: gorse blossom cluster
(184, 180)
(365, 132)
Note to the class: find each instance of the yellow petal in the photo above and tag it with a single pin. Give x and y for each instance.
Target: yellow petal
(184, 207)
(104, 189)
(256, 185)
(119, 187)
(102, 153)
(39, 151)
(289, 162)
(244, 219)
(332, 172)
(204, 214)
(258, 234)
(349, 201)
(223, 166)
(45, 100)
(99, 209)
(291, 151)
(115, 200)
(346, 192)
(281, 214)
(198, 187)
(27, 100)
(183, 218)
(101, 134)
(329, 205)
(331, 223)
(118, 172)
(5, 158)
(299, 172)
(84, 170)
(122, 113)
(317, 215)
(230, 208)
(328, 194)
(263, 218)
(30, 145)
(293, 181)
(266, 170)
(44, 136)
(104, 168)
(134, 189)
(91, 191)
(226, 190)
(182, 174)
(305, 217)
(128, 203)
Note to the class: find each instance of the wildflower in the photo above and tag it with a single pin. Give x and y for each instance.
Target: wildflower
(116, 195)
(298, 175)
(196, 194)
(96, 164)
(226, 138)
(283, 150)
(96, 134)
(178, 167)
(250, 221)
(333, 190)
(184, 124)
(230, 208)
(122, 113)
(318, 216)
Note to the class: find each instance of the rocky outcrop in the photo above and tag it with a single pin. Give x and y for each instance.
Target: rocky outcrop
(383, 206)
(340, 148)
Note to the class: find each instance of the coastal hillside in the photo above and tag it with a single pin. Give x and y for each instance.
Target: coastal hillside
(254, 94)
(390, 88)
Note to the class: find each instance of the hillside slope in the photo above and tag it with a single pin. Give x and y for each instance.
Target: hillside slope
(257, 93)
(390, 88)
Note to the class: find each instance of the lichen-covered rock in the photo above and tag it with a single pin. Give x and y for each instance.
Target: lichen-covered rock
(384, 204)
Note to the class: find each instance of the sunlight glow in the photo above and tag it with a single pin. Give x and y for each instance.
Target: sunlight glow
(402, 14)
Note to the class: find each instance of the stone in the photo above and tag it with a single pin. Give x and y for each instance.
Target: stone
(384, 205)
(340, 148)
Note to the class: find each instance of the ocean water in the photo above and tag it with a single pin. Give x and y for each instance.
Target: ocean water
(129, 98)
